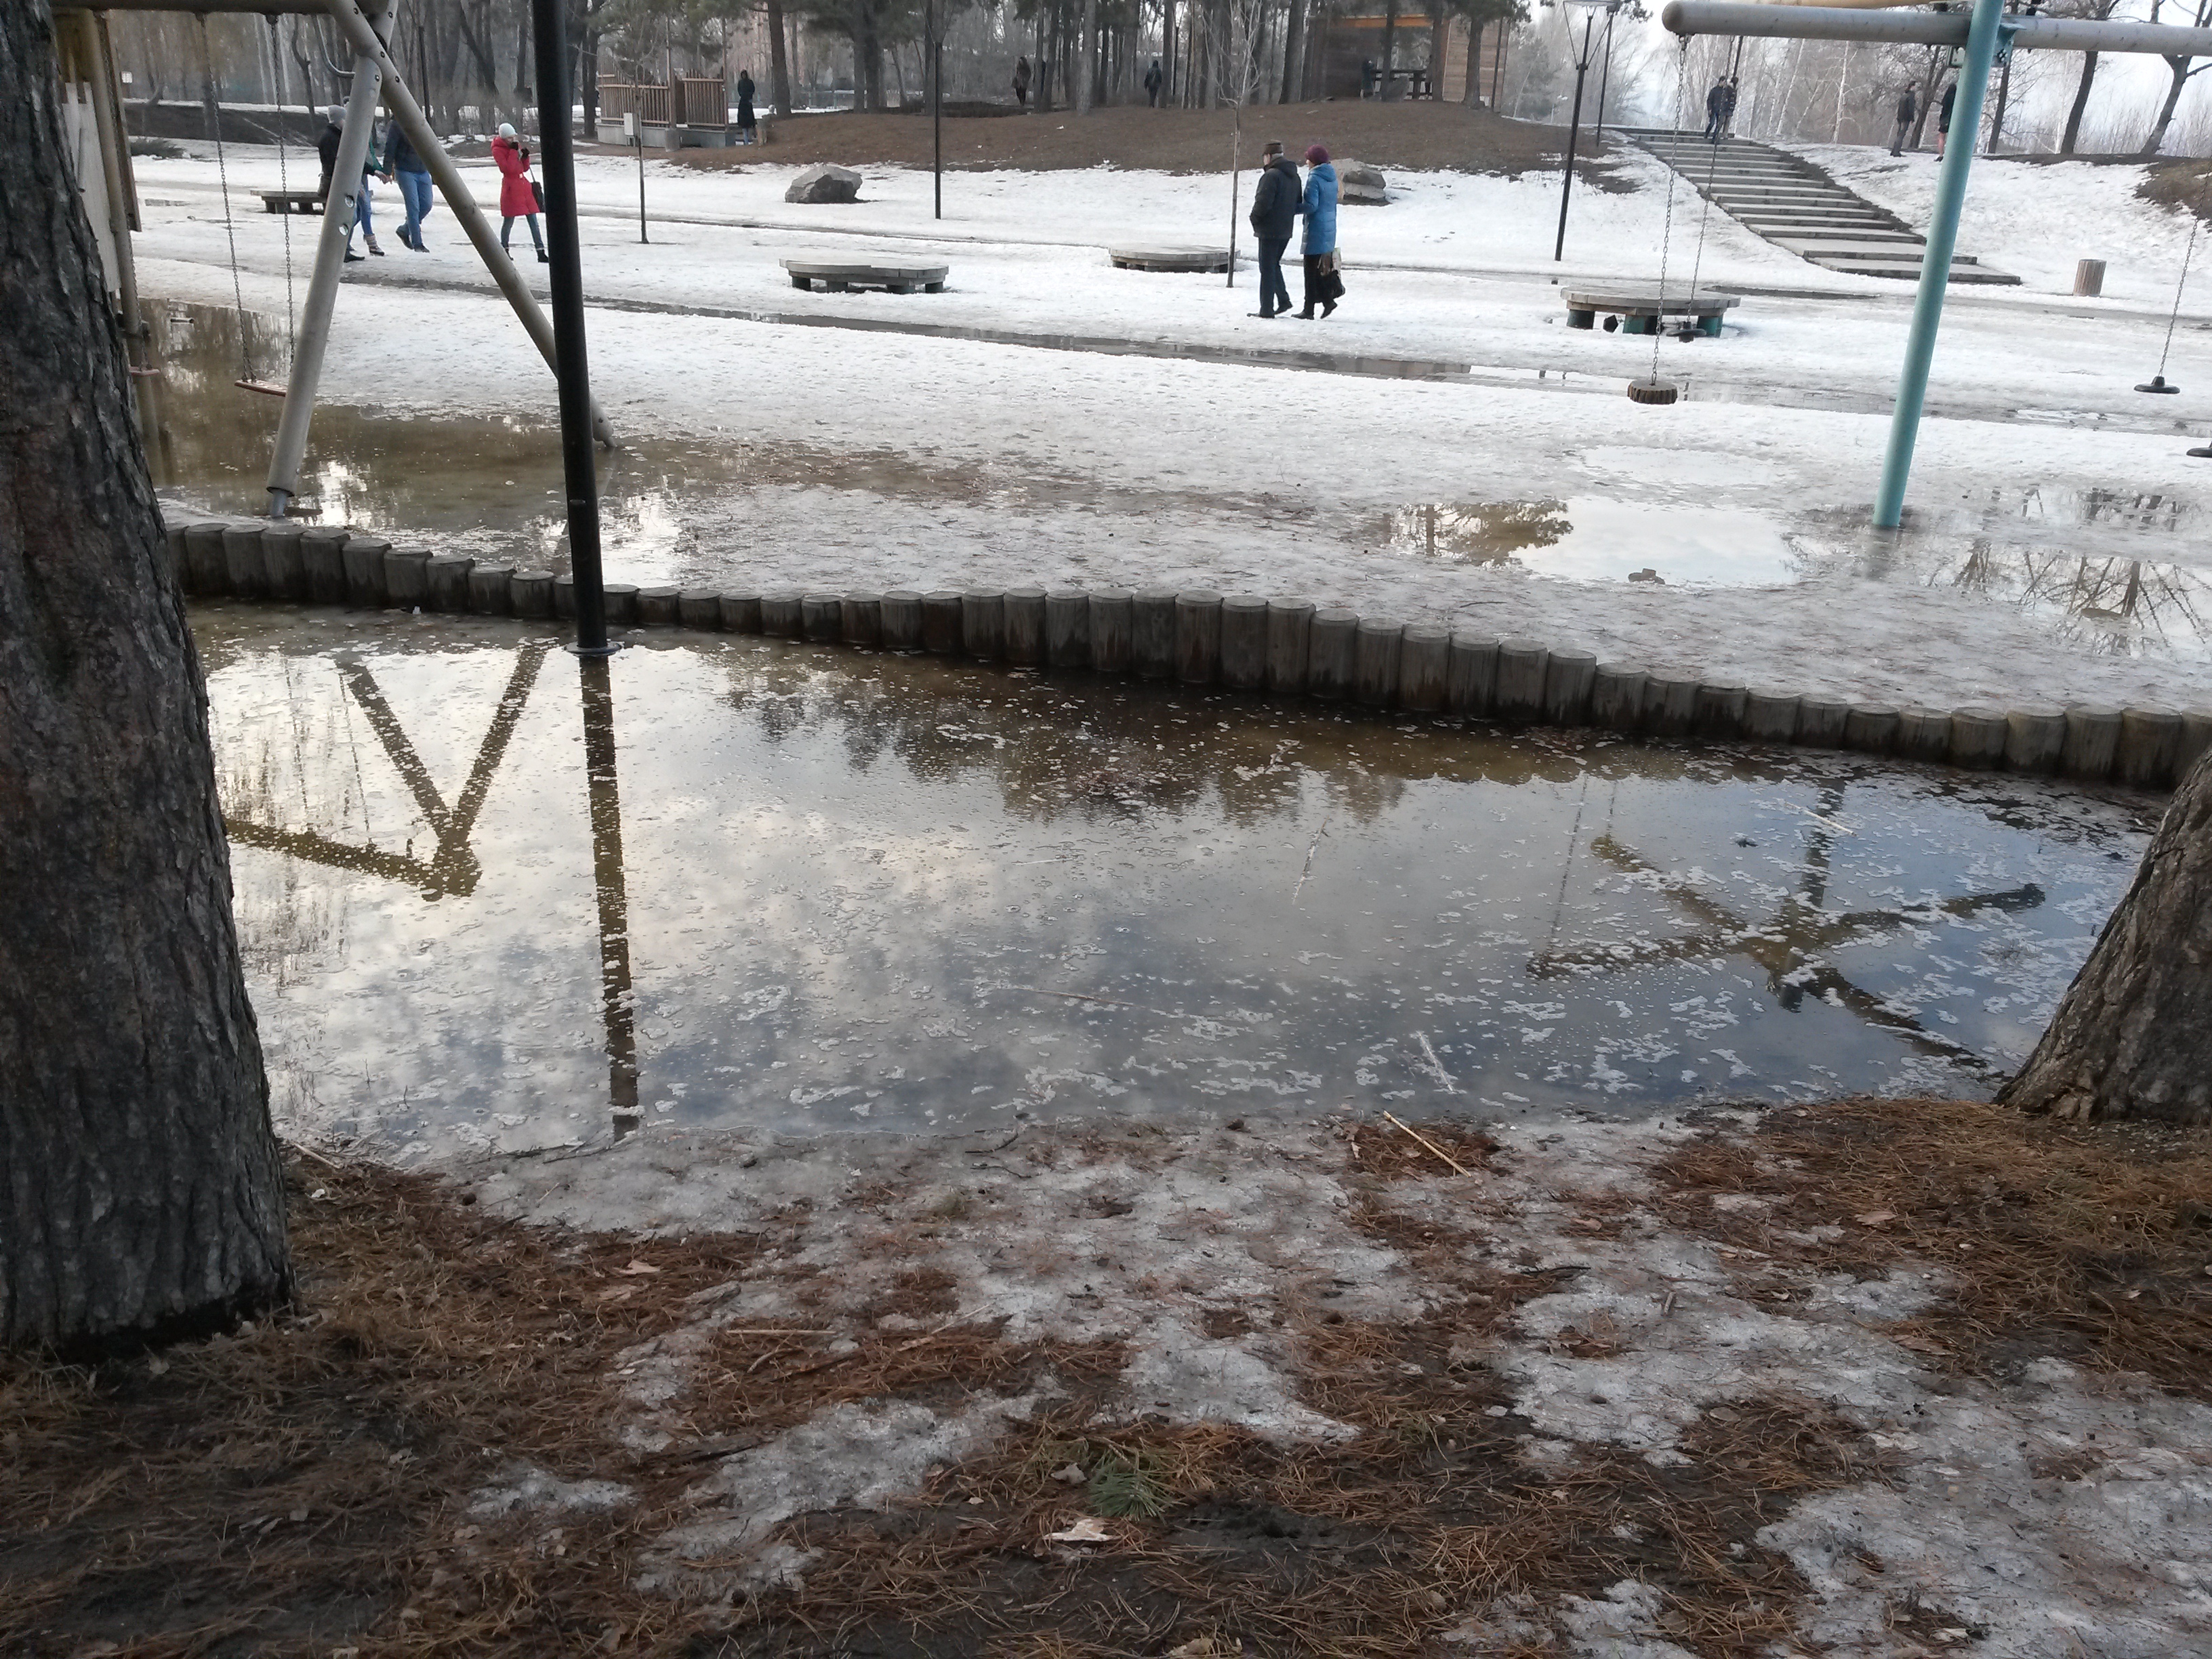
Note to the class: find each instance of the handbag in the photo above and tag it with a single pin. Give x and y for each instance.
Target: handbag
(1327, 264)
(537, 192)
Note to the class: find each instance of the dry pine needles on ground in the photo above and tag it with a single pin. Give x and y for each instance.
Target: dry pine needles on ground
(306, 1486)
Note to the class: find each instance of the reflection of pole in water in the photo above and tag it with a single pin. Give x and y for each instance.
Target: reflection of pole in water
(616, 999)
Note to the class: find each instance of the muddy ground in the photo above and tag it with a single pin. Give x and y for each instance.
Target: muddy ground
(1870, 1378)
(1420, 137)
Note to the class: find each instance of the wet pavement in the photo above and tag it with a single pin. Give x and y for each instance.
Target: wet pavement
(2109, 571)
(491, 896)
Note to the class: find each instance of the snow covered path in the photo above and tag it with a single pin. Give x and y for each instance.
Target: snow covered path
(1010, 462)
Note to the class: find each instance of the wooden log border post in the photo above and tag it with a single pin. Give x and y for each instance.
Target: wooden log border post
(1283, 646)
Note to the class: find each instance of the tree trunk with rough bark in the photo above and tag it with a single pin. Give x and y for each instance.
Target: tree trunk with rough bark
(2132, 1037)
(141, 1191)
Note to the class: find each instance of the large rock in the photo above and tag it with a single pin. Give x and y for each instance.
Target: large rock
(1358, 184)
(825, 183)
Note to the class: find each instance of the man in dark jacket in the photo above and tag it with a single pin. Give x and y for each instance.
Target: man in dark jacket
(1908, 106)
(326, 145)
(1274, 216)
(1152, 79)
(1715, 100)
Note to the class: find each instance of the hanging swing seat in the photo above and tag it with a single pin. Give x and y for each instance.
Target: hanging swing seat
(1653, 392)
(291, 201)
(266, 388)
(1638, 311)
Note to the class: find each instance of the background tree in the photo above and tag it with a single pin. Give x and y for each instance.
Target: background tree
(2133, 1035)
(141, 1192)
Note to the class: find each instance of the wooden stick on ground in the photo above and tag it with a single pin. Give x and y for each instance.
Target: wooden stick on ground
(1457, 1168)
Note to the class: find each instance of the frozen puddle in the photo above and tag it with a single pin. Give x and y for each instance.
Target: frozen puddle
(744, 882)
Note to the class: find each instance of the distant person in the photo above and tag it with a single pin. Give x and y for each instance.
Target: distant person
(1908, 106)
(1152, 79)
(1943, 117)
(1368, 75)
(748, 123)
(1318, 204)
(1022, 82)
(326, 146)
(413, 176)
(518, 196)
(1715, 105)
(1274, 217)
(1728, 108)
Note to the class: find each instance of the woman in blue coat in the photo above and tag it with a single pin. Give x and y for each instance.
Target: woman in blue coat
(1319, 207)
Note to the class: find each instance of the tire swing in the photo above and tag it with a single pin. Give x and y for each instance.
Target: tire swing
(1651, 389)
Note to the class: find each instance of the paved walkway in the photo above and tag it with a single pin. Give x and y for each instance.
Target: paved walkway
(1798, 206)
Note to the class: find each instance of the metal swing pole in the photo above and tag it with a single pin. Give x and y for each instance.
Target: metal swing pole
(1574, 131)
(459, 200)
(339, 207)
(1935, 263)
(571, 366)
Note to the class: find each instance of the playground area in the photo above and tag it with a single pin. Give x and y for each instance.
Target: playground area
(807, 1149)
(1446, 447)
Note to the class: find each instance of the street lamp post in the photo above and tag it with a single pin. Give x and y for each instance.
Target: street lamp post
(1575, 121)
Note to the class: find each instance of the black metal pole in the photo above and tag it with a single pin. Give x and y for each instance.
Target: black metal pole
(1574, 131)
(937, 106)
(638, 127)
(557, 160)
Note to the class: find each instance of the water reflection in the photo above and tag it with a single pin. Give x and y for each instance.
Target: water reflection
(835, 889)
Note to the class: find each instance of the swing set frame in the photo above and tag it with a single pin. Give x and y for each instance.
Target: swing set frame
(367, 26)
(1985, 35)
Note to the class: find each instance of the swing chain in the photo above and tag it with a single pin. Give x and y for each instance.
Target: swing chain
(222, 173)
(1674, 171)
(284, 180)
(2175, 317)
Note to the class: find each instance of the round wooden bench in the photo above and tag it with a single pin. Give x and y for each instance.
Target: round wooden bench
(1170, 258)
(1640, 311)
(842, 277)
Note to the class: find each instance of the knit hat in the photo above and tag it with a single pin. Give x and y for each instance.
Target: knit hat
(1316, 156)
(336, 114)
(506, 130)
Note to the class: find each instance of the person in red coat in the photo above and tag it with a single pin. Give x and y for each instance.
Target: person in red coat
(518, 197)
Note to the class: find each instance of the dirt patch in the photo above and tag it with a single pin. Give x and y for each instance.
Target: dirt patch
(2092, 1244)
(1392, 1151)
(2186, 184)
(1419, 137)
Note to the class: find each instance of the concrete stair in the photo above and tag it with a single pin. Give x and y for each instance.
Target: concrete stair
(1796, 206)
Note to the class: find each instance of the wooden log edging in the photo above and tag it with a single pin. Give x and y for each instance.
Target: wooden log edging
(1196, 637)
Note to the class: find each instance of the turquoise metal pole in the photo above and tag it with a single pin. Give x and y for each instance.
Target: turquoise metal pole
(1935, 266)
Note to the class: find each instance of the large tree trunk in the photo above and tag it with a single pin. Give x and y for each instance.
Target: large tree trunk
(1086, 57)
(2133, 1035)
(141, 1192)
(2178, 69)
(1294, 46)
(2081, 102)
(778, 62)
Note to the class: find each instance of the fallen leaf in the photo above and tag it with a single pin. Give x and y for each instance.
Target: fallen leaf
(1922, 1344)
(636, 1268)
(1085, 1531)
(1875, 1217)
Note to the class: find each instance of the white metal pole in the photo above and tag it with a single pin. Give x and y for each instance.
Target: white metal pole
(338, 209)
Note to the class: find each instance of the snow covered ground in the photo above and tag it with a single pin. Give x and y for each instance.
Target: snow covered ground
(1014, 458)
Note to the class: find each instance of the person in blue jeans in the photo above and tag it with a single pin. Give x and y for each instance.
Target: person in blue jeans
(1274, 217)
(413, 176)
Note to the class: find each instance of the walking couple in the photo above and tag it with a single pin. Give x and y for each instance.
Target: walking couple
(1277, 204)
